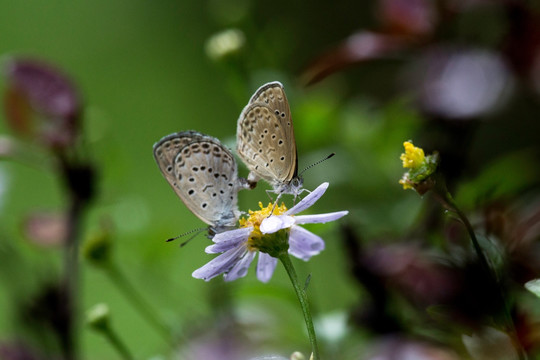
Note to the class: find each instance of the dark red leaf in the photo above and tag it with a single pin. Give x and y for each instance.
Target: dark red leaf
(408, 17)
(362, 46)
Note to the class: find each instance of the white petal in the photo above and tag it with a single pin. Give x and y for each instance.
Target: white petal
(304, 244)
(240, 269)
(220, 264)
(228, 239)
(308, 200)
(265, 267)
(232, 234)
(275, 223)
(320, 218)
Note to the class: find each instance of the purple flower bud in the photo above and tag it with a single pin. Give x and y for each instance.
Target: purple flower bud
(46, 228)
(38, 89)
(18, 350)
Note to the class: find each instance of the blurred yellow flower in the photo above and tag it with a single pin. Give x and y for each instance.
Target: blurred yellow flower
(413, 157)
(421, 168)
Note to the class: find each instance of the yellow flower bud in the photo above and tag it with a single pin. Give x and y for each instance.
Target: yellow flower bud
(421, 168)
(413, 157)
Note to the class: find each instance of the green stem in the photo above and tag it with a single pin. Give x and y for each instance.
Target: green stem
(302, 297)
(450, 203)
(117, 343)
(139, 302)
(71, 277)
(472, 235)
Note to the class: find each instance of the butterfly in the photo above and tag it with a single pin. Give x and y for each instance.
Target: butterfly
(265, 140)
(204, 175)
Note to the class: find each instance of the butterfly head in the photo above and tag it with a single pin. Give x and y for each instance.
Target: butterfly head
(228, 221)
(293, 187)
(296, 185)
(219, 228)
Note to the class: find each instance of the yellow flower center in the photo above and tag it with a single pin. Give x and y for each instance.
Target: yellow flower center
(255, 219)
(413, 157)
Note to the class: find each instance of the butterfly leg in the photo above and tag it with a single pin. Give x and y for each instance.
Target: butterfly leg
(275, 202)
(244, 183)
(298, 195)
(252, 179)
(270, 196)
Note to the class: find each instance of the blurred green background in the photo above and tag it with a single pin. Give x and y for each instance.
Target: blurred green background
(143, 72)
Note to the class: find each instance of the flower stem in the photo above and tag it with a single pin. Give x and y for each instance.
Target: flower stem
(302, 297)
(70, 281)
(139, 302)
(115, 341)
(448, 201)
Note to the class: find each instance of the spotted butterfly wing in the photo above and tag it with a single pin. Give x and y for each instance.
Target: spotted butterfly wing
(203, 173)
(265, 138)
(166, 149)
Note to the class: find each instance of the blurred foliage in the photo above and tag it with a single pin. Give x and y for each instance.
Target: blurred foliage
(397, 276)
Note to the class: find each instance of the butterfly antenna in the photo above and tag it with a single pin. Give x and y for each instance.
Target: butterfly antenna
(197, 231)
(191, 238)
(316, 163)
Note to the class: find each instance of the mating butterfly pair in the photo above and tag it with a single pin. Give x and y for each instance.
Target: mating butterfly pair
(204, 174)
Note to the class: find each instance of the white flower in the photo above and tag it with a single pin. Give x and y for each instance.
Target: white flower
(261, 233)
(225, 43)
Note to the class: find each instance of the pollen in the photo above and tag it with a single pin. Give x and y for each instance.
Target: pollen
(413, 157)
(255, 218)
